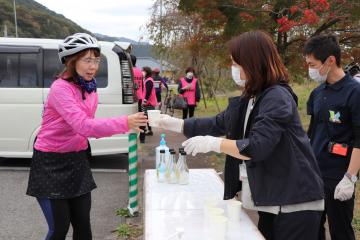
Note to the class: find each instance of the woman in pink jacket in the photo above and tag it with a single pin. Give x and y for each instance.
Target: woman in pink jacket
(60, 176)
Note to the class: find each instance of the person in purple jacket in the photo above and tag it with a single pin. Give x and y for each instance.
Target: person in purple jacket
(60, 177)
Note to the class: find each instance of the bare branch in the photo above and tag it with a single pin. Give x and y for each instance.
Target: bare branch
(249, 9)
(328, 24)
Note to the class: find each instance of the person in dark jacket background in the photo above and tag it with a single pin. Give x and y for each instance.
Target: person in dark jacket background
(279, 174)
(159, 84)
(189, 88)
(335, 121)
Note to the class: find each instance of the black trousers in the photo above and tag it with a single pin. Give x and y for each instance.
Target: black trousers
(139, 105)
(190, 109)
(301, 225)
(339, 215)
(266, 224)
(59, 213)
(142, 134)
(158, 97)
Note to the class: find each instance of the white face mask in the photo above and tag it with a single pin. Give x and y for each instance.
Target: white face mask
(189, 75)
(235, 72)
(315, 75)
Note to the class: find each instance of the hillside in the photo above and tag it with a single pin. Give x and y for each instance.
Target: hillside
(35, 20)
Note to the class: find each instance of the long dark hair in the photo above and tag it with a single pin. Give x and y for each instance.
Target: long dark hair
(69, 73)
(148, 72)
(256, 53)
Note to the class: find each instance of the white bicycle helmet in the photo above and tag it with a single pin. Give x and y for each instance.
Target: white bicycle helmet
(76, 43)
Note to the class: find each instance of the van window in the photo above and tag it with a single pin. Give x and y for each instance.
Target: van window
(53, 66)
(28, 70)
(19, 70)
(102, 74)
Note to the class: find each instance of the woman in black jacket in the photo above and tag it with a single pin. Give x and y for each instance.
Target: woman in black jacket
(280, 177)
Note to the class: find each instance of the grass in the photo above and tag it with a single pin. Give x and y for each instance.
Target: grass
(303, 92)
(129, 231)
(211, 108)
(356, 219)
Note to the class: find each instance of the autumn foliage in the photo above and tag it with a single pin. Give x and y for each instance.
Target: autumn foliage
(211, 24)
(306, 12)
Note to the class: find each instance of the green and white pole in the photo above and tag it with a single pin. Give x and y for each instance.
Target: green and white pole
(133, 174)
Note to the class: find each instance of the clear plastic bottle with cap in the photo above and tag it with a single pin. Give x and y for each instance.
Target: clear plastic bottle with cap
(170, 176)
(162, 146)
(161, 167)
(182, 168)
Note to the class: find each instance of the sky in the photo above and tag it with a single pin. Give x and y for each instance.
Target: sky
(116, 18)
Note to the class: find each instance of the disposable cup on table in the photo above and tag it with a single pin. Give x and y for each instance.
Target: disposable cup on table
(218, 227)
(153, 117)
(233, 210)
(211, 202)
(213, 211)
(209, 213)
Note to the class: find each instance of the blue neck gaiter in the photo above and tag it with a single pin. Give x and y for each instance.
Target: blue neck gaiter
(88, 86)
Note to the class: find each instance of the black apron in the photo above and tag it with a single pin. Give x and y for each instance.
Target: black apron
(60, 175)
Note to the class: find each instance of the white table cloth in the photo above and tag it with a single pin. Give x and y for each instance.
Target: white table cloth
(171, 206)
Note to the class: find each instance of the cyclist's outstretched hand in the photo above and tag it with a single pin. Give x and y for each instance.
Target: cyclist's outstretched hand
(170, 123)
(137, 120)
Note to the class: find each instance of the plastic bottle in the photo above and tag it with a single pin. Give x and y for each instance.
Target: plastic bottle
(182, 169)
(170, 176)
(161, 167)
(162, 146)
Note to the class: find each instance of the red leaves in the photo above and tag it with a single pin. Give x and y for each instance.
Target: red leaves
(286, 24)
(247, 16)
(202, 4)
(215, 14)
(240, 2)
(294, 9)
(305, 12)
(215, 17)
(310, 17)
(320, 5)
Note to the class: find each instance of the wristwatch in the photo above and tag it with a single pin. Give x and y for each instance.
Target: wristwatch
(353, 178)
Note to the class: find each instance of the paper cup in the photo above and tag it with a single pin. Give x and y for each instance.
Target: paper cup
(209, 213)
(153, 117)
(218, 226)
(214, 211)
(211, 203)
(234, 210)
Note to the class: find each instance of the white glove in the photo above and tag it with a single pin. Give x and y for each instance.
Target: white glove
(170, 123)
(202, 144)
(344, 190)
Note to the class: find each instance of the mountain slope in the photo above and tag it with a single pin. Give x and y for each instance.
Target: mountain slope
(35, 20)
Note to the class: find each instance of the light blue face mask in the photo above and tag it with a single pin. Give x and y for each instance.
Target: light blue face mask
(235, 72)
